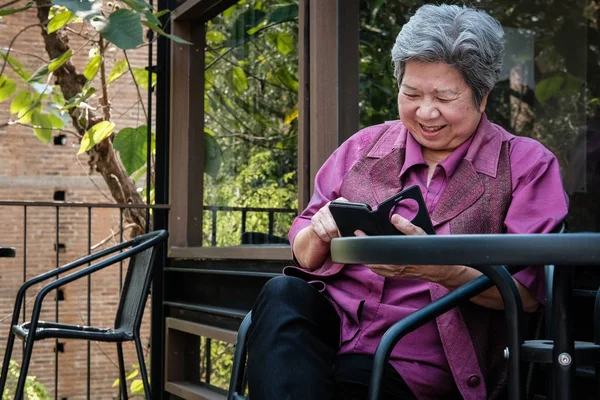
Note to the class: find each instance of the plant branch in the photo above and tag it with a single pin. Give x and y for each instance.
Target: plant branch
(104, 100)
(10, 3)
(14, 39)
(137, 87)
(30, 55)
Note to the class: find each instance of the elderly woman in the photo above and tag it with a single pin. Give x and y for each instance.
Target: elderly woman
(314, 337)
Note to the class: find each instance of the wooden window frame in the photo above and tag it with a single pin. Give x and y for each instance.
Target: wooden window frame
(328, 55)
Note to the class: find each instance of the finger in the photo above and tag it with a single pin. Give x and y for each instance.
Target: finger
(359, 233)
(320, 230)
(405, 226)
(341, 199)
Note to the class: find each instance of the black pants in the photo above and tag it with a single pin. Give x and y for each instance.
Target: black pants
(292, 346)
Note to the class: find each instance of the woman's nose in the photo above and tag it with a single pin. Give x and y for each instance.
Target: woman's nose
(427, 111)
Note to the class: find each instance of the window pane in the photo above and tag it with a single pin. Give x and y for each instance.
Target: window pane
(549, 88)
(251, 120)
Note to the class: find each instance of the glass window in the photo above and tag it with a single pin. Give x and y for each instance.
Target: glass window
(549, 88)
(251, 120)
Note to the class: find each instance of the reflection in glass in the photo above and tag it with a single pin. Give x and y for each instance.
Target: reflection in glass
(549, 88)
(250, 102)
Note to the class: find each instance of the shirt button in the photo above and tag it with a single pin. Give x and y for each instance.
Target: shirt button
(473, 381)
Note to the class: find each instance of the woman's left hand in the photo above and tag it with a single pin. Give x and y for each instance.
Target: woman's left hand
(432, 273)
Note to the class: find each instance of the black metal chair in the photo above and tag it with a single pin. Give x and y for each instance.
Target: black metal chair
(140, 252)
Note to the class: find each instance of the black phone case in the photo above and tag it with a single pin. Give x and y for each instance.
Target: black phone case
(352, 216)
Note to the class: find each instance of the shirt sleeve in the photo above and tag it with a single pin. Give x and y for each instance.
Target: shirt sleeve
(330, 176)
(539, 202)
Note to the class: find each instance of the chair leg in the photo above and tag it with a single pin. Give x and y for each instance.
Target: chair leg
(140, 354)
(24, 367)
(122, 381)
(6, 363)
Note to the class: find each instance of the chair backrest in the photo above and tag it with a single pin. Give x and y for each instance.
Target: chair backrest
(137, 284)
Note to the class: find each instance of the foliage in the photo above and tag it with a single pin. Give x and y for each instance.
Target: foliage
(250, 104)
(34, 390)
(135, 386)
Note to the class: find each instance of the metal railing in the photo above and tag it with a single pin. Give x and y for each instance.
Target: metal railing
(271, 212)
(57, 207)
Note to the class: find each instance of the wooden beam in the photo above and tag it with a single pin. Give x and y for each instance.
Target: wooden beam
(348, 36)
(201, 10)
(334, 59)
(304, 177)
(187, 135)
(323, 83)
(270, 252)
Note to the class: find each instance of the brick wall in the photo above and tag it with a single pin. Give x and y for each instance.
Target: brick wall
(33, 171)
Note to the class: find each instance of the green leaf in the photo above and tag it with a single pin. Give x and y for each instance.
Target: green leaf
(160, 13)
(239, 79)
(283, 14)
(56, 121)
(78, 98)
(215, 37)
(81, 8)
(8, 87)
(283, 77)
(8, 11)
(95, 135)
(116, 383)
(245, 21)
(16, 65)
(212, 155)
(285, 43)
(141, 77)
(157, 29)
(40, 73)
(132, 374)
(131, 143)
(124, 29)
(60, 61)
(21, 102)
(60, 20)
(42, 126)
(548, 88)
(91, 69)
(118, 70)
(138, 5)
(137, 387)
(151, 17)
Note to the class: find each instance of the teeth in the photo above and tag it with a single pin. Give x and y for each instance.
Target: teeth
(431, 128)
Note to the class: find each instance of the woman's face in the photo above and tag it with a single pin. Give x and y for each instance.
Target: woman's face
(436, 106)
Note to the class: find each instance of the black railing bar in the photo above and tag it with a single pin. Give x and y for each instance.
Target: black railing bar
(56, 248)
(213, 239)
(150, 34)
(24, 263)
(7, 203)
(121, 241)
(228, 312)
(89, 307)
(250, 209)
(271, 221)
(224, 272)
(244, 217)
(208, 363)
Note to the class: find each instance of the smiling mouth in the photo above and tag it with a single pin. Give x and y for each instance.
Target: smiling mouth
(432, 128)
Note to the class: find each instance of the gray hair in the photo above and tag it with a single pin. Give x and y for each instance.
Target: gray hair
(467, 39)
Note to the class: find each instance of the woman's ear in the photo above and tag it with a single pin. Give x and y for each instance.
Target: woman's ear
(483, 103)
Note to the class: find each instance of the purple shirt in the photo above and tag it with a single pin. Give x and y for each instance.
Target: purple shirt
(368, 304)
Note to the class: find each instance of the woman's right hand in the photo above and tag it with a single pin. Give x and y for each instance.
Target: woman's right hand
(323, 224)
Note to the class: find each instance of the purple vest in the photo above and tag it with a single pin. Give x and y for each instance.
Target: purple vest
(472, 203)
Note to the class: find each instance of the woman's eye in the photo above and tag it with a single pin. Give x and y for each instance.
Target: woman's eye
(444, 100)
(410, 95)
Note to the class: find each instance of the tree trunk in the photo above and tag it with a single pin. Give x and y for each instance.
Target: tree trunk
(103, 158)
